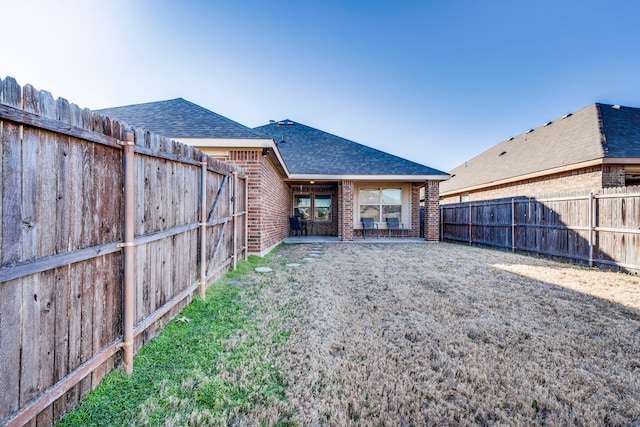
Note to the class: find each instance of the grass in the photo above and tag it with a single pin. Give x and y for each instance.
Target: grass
(452, 335)
(210, 366)
(387, 335)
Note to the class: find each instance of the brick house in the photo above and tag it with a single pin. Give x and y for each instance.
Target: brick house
(296, 170)
(595, 147)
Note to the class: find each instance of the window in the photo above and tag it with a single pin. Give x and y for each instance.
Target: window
(381, 203)
(318, 204)
(302, 206)
(322, 207)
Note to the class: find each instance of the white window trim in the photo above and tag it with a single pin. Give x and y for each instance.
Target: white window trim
(406, 202)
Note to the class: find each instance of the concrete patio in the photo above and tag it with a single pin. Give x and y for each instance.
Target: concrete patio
(334, 239)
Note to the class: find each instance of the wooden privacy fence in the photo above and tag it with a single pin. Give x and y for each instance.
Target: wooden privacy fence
(593, 229)
(106, 233)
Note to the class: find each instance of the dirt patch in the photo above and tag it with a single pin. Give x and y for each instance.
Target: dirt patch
(440, 334)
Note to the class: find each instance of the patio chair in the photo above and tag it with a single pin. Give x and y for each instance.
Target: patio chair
(368, 224)
(394, 224)
(297, 226)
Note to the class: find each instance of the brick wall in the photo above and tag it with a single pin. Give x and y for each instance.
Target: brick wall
(613, 176)
(579, 180)
(415, 211)
(345, 196)
(268, 201)
(432, 211)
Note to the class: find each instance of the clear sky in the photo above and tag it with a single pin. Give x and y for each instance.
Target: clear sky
(434, 81)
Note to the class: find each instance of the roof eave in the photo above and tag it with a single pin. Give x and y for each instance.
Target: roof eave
(243, 143)
(349, 177)
(228, 142)
(531, 175)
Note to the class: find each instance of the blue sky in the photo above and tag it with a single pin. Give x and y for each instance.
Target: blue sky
(436, 82)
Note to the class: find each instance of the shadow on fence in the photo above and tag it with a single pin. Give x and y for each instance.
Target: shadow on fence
(107, 231)
(589, 229)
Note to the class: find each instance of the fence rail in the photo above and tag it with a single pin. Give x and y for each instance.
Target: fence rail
(107, 231)
(593, 229)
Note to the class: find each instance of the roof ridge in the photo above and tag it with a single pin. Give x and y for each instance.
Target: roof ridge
(220, 116)
(345, 139)
(179, 117)
(312, 150)
(604, 150)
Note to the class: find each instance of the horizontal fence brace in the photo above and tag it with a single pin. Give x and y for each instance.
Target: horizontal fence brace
(125, 244)
(124, 344)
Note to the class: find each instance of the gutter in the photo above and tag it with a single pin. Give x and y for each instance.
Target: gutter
(337, 177)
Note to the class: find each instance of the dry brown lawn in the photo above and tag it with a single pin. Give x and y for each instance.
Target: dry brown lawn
(439, 334)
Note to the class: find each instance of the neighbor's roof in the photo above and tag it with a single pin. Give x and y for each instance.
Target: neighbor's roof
(309, 151)
(594, 132)
(179, 118)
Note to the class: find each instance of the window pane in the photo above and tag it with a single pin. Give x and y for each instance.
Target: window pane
(322, 207)
(369, 197)
(392, 196)
(302, 213)
(302, 200)
(392, 212)
(323, 201)
(302, 206)
(322, 214)
(370, 211)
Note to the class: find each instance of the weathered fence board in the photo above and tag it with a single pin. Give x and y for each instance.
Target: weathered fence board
(564, 226)
(61, 235)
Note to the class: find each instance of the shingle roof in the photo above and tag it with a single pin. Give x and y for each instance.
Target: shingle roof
(310, 151)
(179, 118)
(621, 129)
(594, 132)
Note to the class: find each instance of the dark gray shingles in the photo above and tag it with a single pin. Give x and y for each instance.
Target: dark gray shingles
(576, 138)
(179, 118)
(310, 151)
(621, 129)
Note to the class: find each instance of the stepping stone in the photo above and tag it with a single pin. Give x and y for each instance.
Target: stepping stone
(263, 269)
(293, 265)
(313, 254)
(308, 259)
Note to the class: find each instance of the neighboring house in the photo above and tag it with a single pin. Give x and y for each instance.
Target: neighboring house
(595, 147)
(293, 169)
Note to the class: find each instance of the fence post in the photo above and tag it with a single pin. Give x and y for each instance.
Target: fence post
(441, 223)
(591, 228)
(470, 224)
(513, 224)
(203, 226)
(246, 217)
(129, 250)
(234, 215)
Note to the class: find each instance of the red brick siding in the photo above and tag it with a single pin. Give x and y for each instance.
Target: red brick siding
(345, 193)
(415, 211)
(432, 211)
(613, 176)
(268, 201)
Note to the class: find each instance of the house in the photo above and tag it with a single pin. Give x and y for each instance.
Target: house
(595, 147)
(296, 170)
